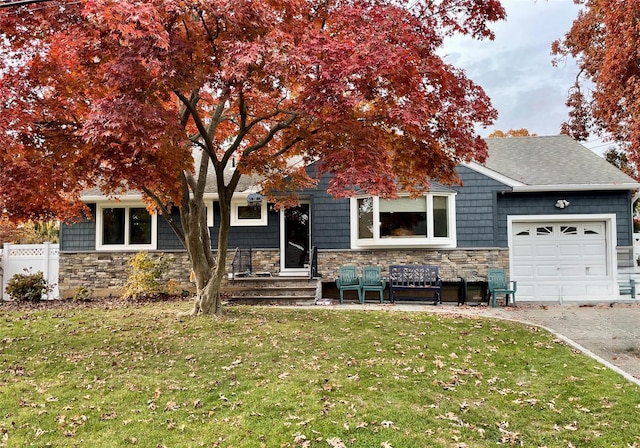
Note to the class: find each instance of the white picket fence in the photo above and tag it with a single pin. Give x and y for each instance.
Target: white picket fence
(15, 258)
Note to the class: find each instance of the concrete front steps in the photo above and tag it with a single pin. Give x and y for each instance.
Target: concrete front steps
(258, 290)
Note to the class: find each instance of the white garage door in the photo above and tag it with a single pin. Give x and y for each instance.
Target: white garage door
(557, 261)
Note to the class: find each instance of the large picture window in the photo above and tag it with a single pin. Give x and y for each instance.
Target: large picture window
(427, 221)
(125, 227)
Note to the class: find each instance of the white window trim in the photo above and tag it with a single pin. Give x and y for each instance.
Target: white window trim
(125, 247)
(377, 242)
(209, 208)
(242, 202)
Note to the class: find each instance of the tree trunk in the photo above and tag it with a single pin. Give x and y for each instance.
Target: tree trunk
(207, 272)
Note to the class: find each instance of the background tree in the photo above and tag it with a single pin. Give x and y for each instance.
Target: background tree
(29, 232)
(152, 95)
(618, 158)
(511, 133)
(605, 99)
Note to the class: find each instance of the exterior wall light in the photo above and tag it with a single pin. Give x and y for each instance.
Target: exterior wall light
(254, 199)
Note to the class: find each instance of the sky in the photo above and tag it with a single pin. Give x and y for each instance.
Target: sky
(515, 69)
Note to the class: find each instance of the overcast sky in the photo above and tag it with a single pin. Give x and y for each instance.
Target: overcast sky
(515, 69)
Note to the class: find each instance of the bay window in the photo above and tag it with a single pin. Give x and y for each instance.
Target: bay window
(424, 221)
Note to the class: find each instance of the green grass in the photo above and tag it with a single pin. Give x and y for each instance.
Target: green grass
(272, 377)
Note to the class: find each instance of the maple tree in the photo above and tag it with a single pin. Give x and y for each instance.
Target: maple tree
(605, 98)
(152, 95)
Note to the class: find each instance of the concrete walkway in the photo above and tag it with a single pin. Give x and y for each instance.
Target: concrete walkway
(610, 332)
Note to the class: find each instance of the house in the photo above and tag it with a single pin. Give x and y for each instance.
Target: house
(554, 214)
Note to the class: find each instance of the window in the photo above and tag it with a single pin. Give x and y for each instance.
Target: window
(243, 214)
(404, 221)
(125, 227)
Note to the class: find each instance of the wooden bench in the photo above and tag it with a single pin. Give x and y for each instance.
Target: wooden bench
(414, 278)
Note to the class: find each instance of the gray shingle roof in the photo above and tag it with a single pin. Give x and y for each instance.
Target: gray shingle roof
(551, 160)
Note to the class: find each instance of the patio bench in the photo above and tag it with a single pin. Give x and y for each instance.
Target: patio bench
(414, 278)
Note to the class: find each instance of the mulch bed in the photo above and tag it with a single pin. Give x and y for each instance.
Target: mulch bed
(102, 302)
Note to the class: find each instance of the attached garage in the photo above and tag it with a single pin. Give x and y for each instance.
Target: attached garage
(557, 259)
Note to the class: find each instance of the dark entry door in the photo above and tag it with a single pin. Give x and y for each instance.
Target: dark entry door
(296, 232)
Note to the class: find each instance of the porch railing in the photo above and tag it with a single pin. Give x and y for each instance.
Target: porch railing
(241, 263)
(313, 265)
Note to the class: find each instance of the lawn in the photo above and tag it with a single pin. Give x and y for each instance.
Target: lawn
(278, 377)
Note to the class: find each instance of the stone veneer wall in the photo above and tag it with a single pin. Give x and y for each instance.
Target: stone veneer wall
(106, 272)
(472, 264)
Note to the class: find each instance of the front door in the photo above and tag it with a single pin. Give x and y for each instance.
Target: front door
(295, 239)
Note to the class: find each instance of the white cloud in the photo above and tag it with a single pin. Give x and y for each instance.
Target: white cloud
(515, 69)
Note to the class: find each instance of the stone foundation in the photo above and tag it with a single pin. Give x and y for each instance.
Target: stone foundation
(106, 272)
(472, 264)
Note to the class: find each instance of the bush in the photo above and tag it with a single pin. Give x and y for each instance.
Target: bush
(28, 286)
(82, 294)
(146, 276)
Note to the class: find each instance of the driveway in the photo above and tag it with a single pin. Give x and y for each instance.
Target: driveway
(607, 332)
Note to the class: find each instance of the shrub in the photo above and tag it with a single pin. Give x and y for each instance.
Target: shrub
(146, 276)
(28, 286)
(82, 294)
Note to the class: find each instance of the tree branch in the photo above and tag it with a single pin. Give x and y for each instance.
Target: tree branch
(272, 132)
(202, 176)
(198, 122)
(166, 214)
(184, 110)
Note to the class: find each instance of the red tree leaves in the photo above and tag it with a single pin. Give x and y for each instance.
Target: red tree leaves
(128, 95)
(117, 94)
(605, 39)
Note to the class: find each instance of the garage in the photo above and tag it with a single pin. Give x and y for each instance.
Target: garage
(557, 261)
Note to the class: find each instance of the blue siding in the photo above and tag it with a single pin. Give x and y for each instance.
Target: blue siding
(247, 237)
(167, 238)
(80, 236)
(612, 202)
(476, 220)
(330, 218)
(482, 207)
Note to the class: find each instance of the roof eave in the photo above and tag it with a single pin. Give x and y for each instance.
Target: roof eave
(575, 187)
(508, 181)
(137, 197)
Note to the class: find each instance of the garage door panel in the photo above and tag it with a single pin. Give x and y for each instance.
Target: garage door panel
(570, 250)
(560, 260)
(593, 249)
(572, 270)
(597, 289)
(546, 250)
(526, 290)
(596, 271)
(523, 271)
(523, 250)
(547, 289)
